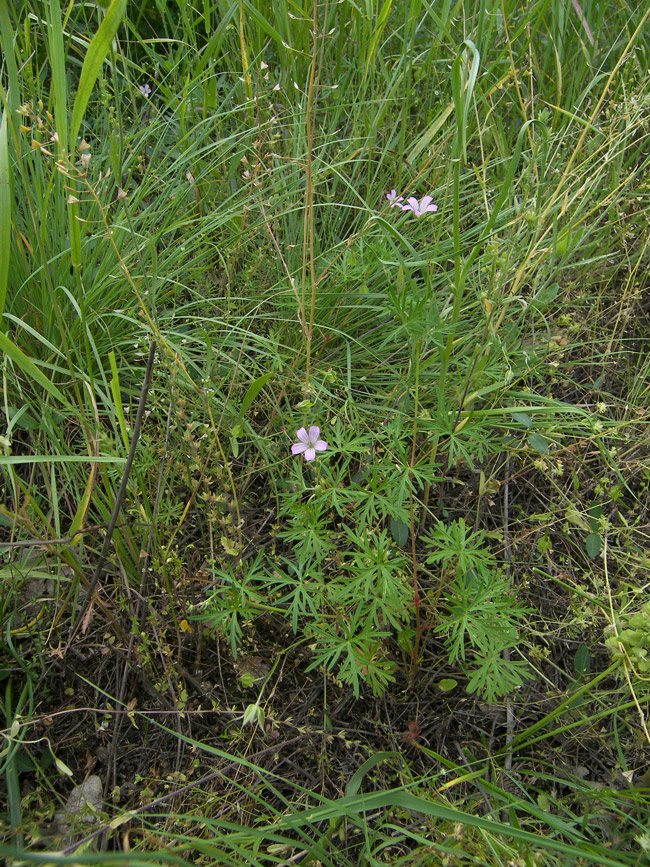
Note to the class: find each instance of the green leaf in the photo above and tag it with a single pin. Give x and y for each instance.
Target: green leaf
(61, 767)
(463, 90)
(6, 460)
(567, 240)
(546, 296)
(264, 23)
(5, 212)
(594, 545)
(117, 400)
(595, 513)
(22, 419)
(447, 684)
(399, 531)
(24, 764)
(576, 518)
(367, 802)
(122, 819)
(523, 419)
(253, 390)
(58, 82)
(382, 21)
(536, 441)
(95, 56)
(27, 365)
(582, 662)
(354, 784)
(230, 548)
(9, 60)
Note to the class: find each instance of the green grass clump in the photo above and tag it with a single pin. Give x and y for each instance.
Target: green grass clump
(426, 645)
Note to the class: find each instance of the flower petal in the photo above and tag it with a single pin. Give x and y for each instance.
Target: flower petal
(310, 454)
(314, 433)
(302, 435)
(320, 445)
(428, 205)
(298, 448)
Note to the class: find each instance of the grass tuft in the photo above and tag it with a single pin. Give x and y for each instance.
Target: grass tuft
(428, 644)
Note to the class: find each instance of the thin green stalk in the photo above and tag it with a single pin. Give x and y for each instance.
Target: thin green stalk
(458, 270)
(5, 211)
(308, 221)
(415, 655)
(463, 86)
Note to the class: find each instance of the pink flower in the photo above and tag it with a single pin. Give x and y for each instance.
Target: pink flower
(394, 199)
(309, 443)
(419, 208)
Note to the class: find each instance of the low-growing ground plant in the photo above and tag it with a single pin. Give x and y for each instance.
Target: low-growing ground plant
(323, 452)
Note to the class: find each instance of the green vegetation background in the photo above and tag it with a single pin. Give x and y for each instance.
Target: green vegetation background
(198, 258)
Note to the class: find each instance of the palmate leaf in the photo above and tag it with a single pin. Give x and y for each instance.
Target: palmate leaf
(306, 531)
(483, 619)
(355, 643)
(478, 631)
(496, 676)
(303, 592)
(456, 542)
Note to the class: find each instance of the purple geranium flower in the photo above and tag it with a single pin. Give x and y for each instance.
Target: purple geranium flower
(393, 198)
(309, 443)
(145, 90)
(419, 208)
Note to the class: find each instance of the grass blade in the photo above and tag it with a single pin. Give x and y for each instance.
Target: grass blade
(5, 212)
(95, 56)
(27, 366)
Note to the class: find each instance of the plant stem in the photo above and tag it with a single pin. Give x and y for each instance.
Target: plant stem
(308, 222)
(414, 562)
(117, 505)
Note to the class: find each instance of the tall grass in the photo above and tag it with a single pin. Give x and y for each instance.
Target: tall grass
(211, 180)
